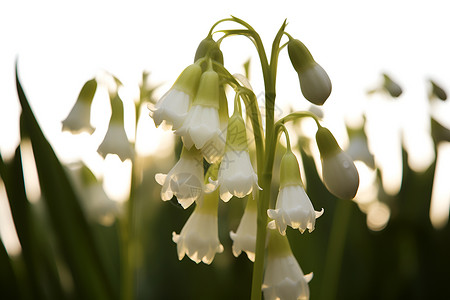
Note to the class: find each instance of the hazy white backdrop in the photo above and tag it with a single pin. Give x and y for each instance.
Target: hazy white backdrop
(62, 44)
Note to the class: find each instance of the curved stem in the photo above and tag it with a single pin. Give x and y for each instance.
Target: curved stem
(286, 135)
(297, 115)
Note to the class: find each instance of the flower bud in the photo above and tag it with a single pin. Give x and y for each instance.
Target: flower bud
(314, 81)
(339, 173)
(391, 86)
(437, 91)
(209, 47)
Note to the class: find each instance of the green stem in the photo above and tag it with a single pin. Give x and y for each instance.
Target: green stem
(128, 241)
(297, 115)
(335, 250)
(269, 75)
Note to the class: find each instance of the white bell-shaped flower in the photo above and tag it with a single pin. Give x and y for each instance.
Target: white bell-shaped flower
(236, 174)
(202, 121)
(116, 140)
(283, 277)
(97, 206)
(185, 180)
(339, 173)
(79, 118)
(199, 238)
(293, 206)
(174, 105)
(244, 239)
(214, 149)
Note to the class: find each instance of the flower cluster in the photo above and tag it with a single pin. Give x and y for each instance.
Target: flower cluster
(196, 109)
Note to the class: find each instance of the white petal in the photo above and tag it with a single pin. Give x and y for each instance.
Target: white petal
(160, 178)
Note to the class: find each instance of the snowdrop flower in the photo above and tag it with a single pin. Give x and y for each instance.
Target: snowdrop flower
(293, 206)
(283, 277)
(185, 180)
(214, 149)
(314, 81)
(97, 205)
(244, 239)
(339, 173)
(79, 117)
(202, 121)
(358, 149)
(174, 105)
(116, 141)
(236, 174)
(199, 238)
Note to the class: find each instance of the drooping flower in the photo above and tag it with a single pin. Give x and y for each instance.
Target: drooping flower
(339, 173)
(174, 105)
(392, 87)
(214, 149)
(314, 81)
(244, 239)
(116, 140)
(358, 149)
(97, 206)
(184, 180)
(293, 206)
(199, 238)
(437, 91)
(202, 121)
(79, 118)
(283, 277)
(236, 174)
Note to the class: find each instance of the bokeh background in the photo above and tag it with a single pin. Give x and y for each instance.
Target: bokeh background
(390, 243)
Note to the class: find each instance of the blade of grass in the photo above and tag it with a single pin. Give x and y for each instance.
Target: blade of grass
(74, 236)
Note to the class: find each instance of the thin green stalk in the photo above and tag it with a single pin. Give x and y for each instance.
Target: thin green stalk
(127, 233)
(335, 250)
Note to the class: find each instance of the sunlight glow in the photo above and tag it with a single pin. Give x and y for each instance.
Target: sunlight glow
(440, 197)
(7, 230)
(384, 138)
(378, 216)
(117, 178)
(30, 175)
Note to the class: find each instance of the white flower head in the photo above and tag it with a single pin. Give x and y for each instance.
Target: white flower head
(236, 174)
(339, 173)
(174, 105)
(97, 206)
(214, 149)
(293, 206)
(202, 121)
(358, 149)
(79, 118)
(184, 180)
(199, 238)
(283, 277)
(116, 140)
(244, 239)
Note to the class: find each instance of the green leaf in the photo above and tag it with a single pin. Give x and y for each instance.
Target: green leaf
(74, 236)
(8, 281)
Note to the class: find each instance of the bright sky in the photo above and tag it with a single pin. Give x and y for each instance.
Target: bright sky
(62, 44)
